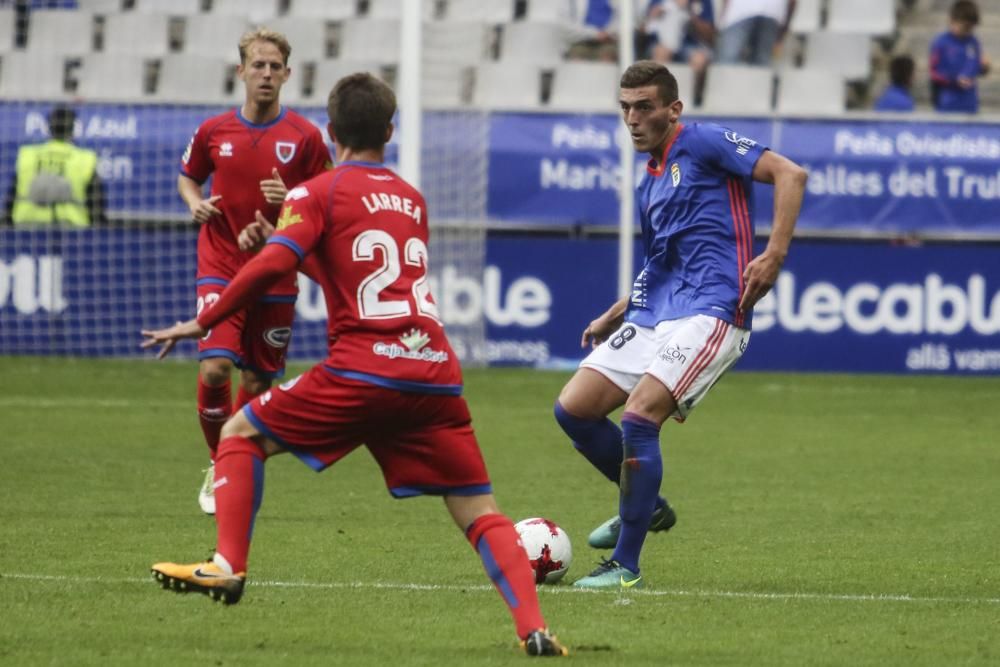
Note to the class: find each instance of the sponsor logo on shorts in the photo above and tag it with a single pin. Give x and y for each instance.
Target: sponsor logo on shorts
(278, 336)
(414, 346)
(672, 353)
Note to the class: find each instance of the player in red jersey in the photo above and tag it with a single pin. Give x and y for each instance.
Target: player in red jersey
(391, 380)
(251, 153)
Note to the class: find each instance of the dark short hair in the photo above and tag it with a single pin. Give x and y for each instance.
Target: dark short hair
(966, 11)
(360, 108)
(650, 73)
(61, 121)
(901, 70)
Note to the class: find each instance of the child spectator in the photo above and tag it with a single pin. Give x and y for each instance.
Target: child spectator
(956, 60)
(896, 96)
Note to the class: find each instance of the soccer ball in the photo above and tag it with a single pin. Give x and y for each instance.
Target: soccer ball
(548, 548)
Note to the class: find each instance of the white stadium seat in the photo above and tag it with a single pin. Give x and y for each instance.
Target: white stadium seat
(7, 21)
(585, 87)
(370, 39)
(328, 10)
(133, 34)
(871, 17)
(508, 85)
(29, 75)
(732, 89)
(62, 32)
(811, 91)
(110, 77)
(463, 43)
(539, 43)
(215, 36)
(329, 72)
(191, 78)
(174, 7)
(257, 11)
(306, 35)
(849, 54)
(487, 11)
(807, 16)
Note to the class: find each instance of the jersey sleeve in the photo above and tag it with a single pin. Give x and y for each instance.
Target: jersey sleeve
(301, 223)
(318, 157)
(196, 163)
(940, 73)
(727, 150)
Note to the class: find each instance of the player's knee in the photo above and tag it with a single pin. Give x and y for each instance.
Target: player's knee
(215, 371)
(254, 383)
(577, 428)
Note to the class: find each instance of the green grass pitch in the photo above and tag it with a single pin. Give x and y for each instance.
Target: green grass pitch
(823, 520)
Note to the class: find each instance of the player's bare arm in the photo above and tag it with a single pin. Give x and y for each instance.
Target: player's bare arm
(273, 188)
(202, 209)
(789, 181)
(599, 330)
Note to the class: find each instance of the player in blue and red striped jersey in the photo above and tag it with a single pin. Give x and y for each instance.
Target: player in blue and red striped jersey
(957, 60)
(391, 381)
(251, 154)
(687, 321)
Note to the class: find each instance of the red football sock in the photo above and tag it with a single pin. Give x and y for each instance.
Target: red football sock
(239, 488)
(242, 398)
(494, 537)
(214, 408)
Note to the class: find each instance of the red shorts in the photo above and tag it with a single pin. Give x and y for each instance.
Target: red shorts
(255, 338)
(423, 443)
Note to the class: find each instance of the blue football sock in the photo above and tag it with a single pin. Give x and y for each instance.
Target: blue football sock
(642, 473)
(599, 440)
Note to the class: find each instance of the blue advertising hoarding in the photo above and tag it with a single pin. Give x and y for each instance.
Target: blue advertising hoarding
(867, 176)
(837, 306)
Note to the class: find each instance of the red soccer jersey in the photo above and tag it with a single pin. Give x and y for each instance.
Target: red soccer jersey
(239, 155)
(365, 232)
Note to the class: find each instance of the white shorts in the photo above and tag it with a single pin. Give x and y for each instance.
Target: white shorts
(688, 356)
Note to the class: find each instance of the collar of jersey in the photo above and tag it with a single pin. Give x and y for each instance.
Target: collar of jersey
(361, 163)
(658, 169)
(242, 119)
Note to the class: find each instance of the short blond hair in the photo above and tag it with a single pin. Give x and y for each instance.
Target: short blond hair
(264, 35)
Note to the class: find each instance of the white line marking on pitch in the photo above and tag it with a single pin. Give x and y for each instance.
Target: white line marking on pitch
(28, 402)
(834, 597)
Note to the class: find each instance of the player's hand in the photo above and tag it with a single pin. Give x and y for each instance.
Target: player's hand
(758, 278)
(205, 209)
(253, 236)
(274, 188)
(965, 82)
(168, 337)
(598, 331)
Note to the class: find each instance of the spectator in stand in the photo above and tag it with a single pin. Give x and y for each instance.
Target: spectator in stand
(682, 31)
(956, 60)
(593, 28)
(749, 30)
(896, 96)
(56, 182)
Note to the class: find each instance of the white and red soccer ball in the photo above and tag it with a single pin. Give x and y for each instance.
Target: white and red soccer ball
(548, 548)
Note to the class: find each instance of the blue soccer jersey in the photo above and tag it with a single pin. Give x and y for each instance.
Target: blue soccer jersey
(696, 212)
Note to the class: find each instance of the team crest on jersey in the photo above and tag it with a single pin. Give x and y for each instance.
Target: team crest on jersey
(285, 150)
(675, 174)
(743, 144)
(288, 218)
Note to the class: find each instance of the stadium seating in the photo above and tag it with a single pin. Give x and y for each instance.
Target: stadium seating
(445, 85)
(508, 85)
(487, 11)
(870, 17)
(393, 9)
(191, 78)
(133, 34)
(540, 43)
(216, 36)
(847, 53)
(327, 10)
(32, 76)
(100, 6)
(61, 32)
(7, 34)
(257, 11)
(810, 92)
(174, 7)
(112, 77)
(328, 72)
(733, 89)
(307, 36)
(370, 39)
(685, 83)
(464, 42)
(585, 87)
(807, 17)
